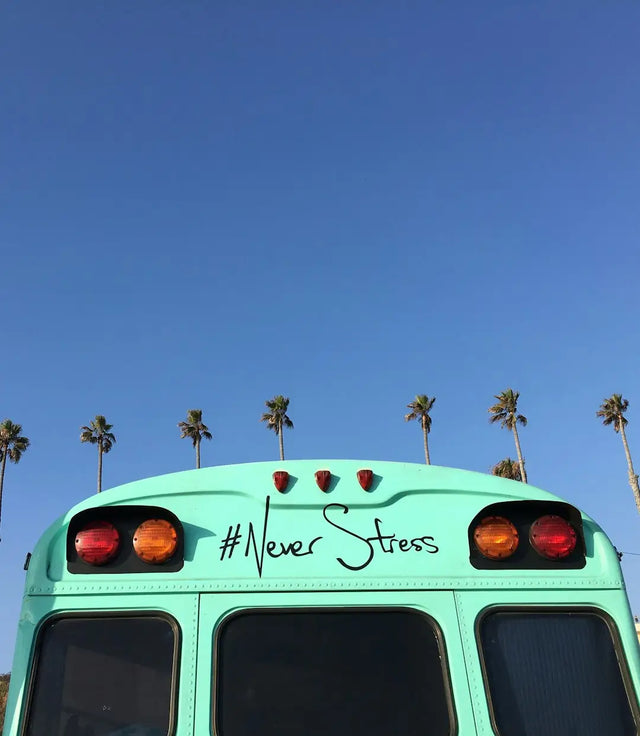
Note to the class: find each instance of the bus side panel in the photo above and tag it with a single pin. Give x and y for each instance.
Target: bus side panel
(472, 605)
(20, 668)
(180, 607)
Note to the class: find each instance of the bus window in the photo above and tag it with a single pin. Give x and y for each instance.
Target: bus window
(98, 676)
(554, 673)
(321, 671)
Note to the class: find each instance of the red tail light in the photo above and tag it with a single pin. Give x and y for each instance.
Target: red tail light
(97, 542)
(552, 537)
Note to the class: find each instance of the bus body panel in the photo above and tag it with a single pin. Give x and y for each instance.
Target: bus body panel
(471, 605)
(439, 605)
(411, 527)
(402, 544)
(38, 611)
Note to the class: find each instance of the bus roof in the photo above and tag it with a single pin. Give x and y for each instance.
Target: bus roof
(255, 479)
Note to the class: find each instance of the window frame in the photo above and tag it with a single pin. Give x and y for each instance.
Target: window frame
(105, 615)
(275, 610)
(627, 680)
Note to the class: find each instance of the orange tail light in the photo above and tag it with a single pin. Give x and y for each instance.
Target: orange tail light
(496, 537)
(155, 541)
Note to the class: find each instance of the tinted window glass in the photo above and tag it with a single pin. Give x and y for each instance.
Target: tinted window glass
(554, 674)
(103, 677)
(313, 673)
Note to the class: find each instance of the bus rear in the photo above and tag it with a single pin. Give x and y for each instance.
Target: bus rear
(324, 597)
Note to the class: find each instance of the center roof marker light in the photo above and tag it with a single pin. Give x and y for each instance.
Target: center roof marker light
(323, 479)
(365, 478)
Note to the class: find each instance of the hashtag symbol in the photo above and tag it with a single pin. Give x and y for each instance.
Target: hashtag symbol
(230, 542)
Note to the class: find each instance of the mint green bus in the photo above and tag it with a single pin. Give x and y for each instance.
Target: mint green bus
(324, 598)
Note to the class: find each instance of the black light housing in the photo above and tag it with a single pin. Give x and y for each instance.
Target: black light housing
(103, 541)
(550, 536)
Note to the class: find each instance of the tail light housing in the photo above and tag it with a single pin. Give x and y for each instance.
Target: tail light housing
(125, 539)
(520, 535)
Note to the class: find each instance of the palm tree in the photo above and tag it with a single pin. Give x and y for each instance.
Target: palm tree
(507, 468)
(99, 433)
(276, 418)
(195, 430)
(420, 408)
(4, 691)
(505, 412)
(612, 412)
(12, 445)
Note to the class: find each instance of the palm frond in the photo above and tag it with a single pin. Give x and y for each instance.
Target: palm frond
(611, 411)
(507, 468)
(505, 410)
(420, 408)
(12, 443)
(276, 418)
(98, 432)
(194, 428)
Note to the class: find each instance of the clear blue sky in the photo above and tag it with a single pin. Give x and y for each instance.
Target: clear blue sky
(207, 203)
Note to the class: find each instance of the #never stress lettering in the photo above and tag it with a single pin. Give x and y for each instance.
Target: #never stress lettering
(378, 542)
(260, 546)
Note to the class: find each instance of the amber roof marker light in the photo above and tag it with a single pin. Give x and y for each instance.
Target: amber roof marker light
(496, 537)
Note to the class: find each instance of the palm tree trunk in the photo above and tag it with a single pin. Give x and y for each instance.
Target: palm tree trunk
(281, 442)
(4, 463)
(197, 453)
(99, 467)
(519, 451)
(633, 478)
(426, 441)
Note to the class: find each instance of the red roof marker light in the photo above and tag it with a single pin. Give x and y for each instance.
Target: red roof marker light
(323, 479)
(281, 480)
